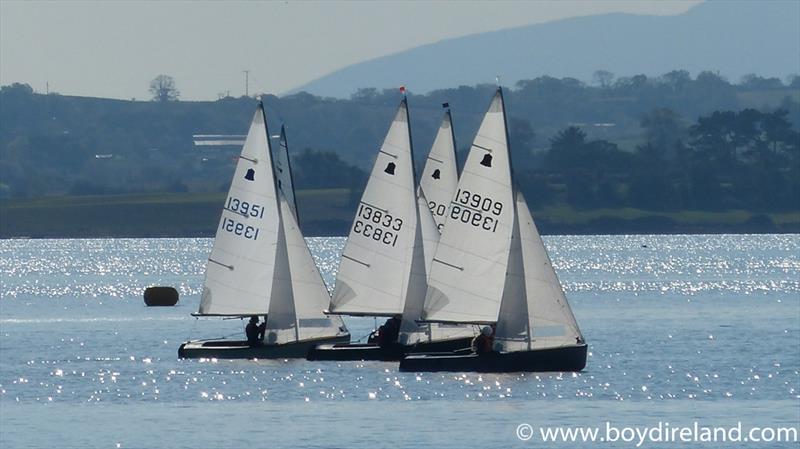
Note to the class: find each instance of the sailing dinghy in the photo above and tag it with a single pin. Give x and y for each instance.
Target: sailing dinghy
(491, 268)
(260, 264)
(382, 272)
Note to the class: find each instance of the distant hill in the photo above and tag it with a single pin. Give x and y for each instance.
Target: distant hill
(734, 38)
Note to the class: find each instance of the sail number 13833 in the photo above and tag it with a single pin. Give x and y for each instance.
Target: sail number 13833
(377, 225)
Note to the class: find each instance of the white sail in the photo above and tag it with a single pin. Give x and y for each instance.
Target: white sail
(240, 270)
(468, 272)
(410, 331)
(282, 317)
(513, 321)
(440, 176)
(429, 232)
(299, 315)
(283, 173)
(374, 271)
(542, 317)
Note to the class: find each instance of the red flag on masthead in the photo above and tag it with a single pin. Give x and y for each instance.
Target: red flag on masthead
(403, 90)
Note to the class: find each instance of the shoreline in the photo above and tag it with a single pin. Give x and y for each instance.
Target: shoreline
(329, 213)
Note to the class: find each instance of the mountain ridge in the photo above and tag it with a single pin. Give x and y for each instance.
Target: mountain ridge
(727, 37)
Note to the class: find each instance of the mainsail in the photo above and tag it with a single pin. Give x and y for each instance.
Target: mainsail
(467, 276)
(381, 260)
(240, 273)
(440, 175)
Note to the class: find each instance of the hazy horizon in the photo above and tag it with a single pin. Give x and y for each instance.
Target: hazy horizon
(113, 50)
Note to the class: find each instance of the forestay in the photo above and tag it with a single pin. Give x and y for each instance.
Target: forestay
(375, 268)
(240, 270)
(468, 271)
(440, 175)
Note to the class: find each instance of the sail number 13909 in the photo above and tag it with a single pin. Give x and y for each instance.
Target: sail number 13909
(476, 210)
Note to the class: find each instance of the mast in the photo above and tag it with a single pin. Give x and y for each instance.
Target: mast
(416, 284)
(284, 174)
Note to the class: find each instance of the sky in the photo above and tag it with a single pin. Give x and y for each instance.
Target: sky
(114, 49)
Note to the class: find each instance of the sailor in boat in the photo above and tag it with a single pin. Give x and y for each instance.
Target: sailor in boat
(255, 331)
(483, 343)
(389, 332)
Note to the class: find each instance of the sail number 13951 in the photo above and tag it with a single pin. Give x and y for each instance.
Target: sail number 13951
(246, 210)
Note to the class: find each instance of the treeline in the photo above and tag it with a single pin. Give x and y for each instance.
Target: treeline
(726, 160)
(667, 143)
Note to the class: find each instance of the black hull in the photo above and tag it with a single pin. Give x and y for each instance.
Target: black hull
(345, 352)
(568, 358)
(222, 349)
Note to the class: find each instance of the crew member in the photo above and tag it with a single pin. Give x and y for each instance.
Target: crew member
(255, 331)
(483, 343)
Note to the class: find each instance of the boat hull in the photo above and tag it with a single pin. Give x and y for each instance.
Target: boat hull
(344, 352)
(567, 358)
(226, 349)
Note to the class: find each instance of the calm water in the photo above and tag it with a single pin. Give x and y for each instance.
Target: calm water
(680, 328)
